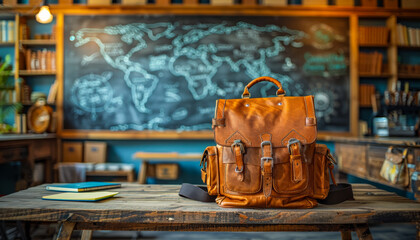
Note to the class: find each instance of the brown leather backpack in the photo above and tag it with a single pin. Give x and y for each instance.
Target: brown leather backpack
(266, 154)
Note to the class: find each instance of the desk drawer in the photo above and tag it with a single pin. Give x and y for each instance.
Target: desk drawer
(13, 154)
(42, 149)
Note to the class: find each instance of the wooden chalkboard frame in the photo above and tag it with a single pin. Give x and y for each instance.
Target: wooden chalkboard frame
(105, 134)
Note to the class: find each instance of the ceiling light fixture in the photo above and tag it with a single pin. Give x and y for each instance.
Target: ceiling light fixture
(44, 15)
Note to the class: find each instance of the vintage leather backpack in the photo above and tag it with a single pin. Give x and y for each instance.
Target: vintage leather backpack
(266, 154)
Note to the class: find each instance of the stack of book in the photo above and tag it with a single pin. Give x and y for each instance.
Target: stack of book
(408, 36)
(40, 60)
(373, 35)
(83, 191)
(366, 92)
(370, 63)
(7, 31)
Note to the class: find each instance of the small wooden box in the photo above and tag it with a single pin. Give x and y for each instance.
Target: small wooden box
(274, 2)
(248, 2)
(9, 2)
(163, 2)
(133, 2)
(72, 151)
(344, 3)
(390, 3)
(99, 2)
(95, 152)
(410, 4)
(369, 3)
(166, 171)
(190, 2)
(315, 2)
(65, 2)
(222, 2)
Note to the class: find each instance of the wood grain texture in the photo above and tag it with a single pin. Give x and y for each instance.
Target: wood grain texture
(65, 230)
(160, 204)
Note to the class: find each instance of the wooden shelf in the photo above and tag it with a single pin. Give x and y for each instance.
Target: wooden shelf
(409, 76)
(370, 75)
(35, 73)
(375, 45)
(38, 42)
(11, 44)
(409, 47)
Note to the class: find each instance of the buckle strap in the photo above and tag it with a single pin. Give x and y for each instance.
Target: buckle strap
(295, 147)
(238, 151)
(267, 164)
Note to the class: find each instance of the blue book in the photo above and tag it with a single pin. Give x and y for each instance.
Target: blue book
(82, 186)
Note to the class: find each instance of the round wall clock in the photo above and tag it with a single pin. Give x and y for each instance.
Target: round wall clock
(39, 117)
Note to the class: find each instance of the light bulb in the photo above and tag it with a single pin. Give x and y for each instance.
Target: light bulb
(44, 15)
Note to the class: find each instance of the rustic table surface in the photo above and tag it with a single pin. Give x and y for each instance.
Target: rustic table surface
(158, 207)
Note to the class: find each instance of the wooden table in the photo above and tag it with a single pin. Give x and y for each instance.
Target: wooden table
(159, 208)
(147, 157)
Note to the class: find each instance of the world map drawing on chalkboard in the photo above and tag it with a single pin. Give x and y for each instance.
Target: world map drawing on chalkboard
(165, 72)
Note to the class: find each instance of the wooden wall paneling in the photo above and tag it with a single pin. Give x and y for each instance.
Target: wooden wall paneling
(392, 51)
(354, 75)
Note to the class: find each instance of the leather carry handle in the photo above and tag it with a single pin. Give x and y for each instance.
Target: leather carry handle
(279, 92)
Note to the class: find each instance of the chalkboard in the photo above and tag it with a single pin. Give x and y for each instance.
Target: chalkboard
(164, 72)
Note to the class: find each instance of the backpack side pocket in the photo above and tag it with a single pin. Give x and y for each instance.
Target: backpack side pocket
(321, 171)
(209, 170)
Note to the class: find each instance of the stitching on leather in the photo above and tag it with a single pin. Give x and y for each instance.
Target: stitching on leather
(293, 130)
(306, 107)
(242, 136)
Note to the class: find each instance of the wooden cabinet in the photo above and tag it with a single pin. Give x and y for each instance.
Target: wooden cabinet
(37, 154)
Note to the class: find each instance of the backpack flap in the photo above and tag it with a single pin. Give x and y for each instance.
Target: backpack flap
(282, 117)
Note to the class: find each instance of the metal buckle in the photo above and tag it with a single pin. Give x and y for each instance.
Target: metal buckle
(266, 159)
(293, 141)
(239, 171)
(238, 143)
(266, 143)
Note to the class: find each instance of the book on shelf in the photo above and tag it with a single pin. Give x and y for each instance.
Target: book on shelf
(7, 31)
(84, 197)
(370, 63)
(408, 36)
(373, 35)
(43, 60)
(82, 186)
(365, 95)
(52, 94)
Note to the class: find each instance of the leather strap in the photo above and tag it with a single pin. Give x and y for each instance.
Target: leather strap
(267, 164)
(338, 193)
(295, 160)
(238, 151)
(198, 193)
